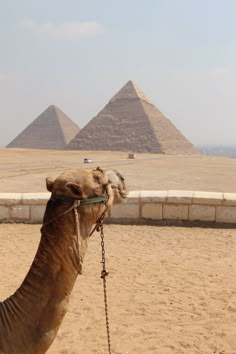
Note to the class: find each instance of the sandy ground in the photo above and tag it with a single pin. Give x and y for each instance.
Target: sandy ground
(25, 170)
(171, 290)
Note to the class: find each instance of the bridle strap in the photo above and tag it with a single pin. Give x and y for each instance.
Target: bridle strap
(90, 200)
(74, 206)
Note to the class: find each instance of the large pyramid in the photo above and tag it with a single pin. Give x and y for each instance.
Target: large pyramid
(130, 122)
(52, 130)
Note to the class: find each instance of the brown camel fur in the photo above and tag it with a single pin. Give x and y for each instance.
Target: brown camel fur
(31, 317)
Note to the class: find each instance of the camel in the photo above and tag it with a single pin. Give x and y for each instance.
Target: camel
(31, 317)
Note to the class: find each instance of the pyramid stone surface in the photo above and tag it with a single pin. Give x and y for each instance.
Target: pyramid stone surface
(52, 130)
(130, 122)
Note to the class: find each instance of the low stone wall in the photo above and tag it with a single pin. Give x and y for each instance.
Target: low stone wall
(23, 207)
(141, 206)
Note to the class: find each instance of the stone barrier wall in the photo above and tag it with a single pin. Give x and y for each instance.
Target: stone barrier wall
(141, 206)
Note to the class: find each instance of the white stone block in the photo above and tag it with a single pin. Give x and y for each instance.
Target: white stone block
(4, 213)
(133, 197)
(208, 198)
(35, 198)
(226, 214)
(151, 211)
(37, 213)
(180, 197)
(153, 196)
(20, 212)
(175, 212)
(8, 199)
(202, 212)
(125, 211)
(229, 199)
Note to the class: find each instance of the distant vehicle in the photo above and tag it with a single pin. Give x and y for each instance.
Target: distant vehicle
(87, 160)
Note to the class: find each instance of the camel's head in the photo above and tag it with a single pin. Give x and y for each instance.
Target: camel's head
(86, 184)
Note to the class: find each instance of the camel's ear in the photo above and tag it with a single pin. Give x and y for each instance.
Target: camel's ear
(74, 189)
(49, 183)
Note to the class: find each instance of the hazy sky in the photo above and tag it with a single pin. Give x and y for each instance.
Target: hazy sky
(77, 54)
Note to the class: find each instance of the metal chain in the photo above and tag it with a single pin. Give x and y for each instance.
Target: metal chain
(104, 274)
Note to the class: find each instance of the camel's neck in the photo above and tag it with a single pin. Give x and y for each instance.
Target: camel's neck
(34, 313)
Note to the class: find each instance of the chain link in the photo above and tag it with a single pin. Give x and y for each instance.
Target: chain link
(98, 227)
(104, 274)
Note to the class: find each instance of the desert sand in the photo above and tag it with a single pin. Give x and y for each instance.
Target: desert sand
(171, 290)
(25, 170)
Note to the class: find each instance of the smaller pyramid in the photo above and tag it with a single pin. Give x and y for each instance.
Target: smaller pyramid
(51, 130)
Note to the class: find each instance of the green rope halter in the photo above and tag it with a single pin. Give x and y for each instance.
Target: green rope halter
(82, 201)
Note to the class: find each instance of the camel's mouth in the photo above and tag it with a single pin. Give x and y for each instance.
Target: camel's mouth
(123, 195)
(117, 182)
(122, 187)
(122, 192)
